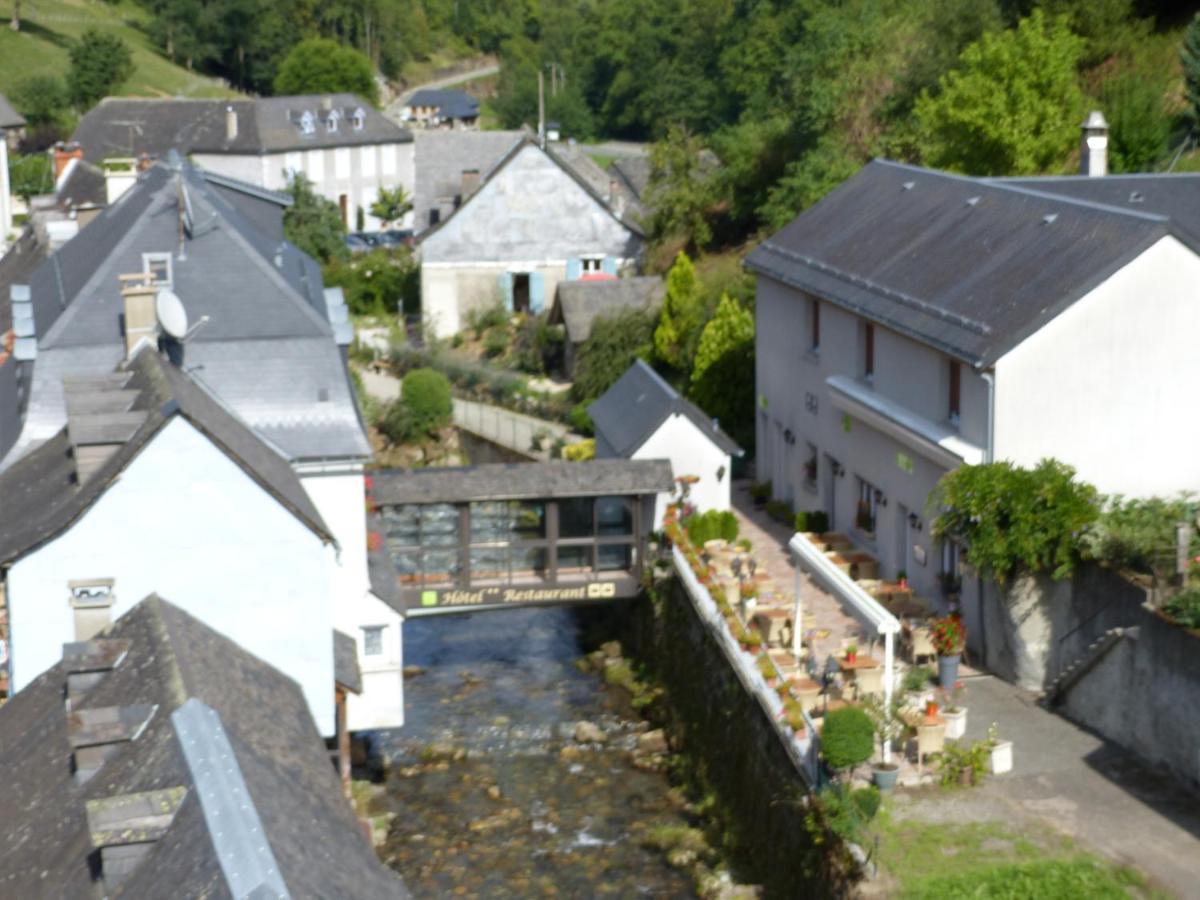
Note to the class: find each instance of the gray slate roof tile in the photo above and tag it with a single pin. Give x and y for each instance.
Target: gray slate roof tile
(577, 304)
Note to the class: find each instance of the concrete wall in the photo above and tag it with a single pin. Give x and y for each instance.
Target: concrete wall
(793, 396)
(186, 522)
(358, 172)
(450, 292)
(691, 453)
(1103, 385)
(340, 497)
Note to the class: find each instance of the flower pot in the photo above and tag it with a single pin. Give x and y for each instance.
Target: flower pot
(931, 710)
(1002, 757)
(956, 723)
(886, 775)
(948, 670)
(966, 777)
(851, 658)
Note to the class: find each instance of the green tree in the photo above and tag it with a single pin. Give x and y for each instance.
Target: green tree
(314, 223)
(615, 343)
(322, 66)
(681, 192)
(99, 62)
(1138, 127)
(723, 374)
(391, 205)
(848, 738)
(682, 317)
(30, 175)
(1011, 107)
(426, 395)
(1014, 519)
(1189, 57)
(42, 99)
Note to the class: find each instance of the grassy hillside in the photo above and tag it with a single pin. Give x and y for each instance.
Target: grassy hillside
(49, 26)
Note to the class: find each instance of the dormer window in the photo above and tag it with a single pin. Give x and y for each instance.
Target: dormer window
(158, 267)
(359, 118)
(331, 123)
(308, 123)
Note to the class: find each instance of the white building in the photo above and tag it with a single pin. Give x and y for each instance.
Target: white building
(643, 417)
(519, 229)
(11, 124)
(345, 147)
(914, 321)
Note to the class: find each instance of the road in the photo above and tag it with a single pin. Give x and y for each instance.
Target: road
(393, 108)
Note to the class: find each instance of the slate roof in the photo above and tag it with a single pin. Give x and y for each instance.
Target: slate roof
(578, 303)
(441, 157)
(24, 255)
(606, 186)
(345, 662)
(178, 664)
(268, 349)
(120, 126)
(9, 117)
(82, 185)
(523, 481)
(969, 266)
(631, 411)
(449, 102)
(634, 171)
(41, 493)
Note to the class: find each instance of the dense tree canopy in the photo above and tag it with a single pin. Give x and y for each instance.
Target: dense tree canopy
(321, 66)
(99, 62)
(313, 223)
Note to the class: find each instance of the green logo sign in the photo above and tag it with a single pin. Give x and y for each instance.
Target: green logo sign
(429, 598)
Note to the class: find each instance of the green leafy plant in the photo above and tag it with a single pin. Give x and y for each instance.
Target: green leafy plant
(848, 738)
(1141, 534)
(1184, 607)
(917, 679)
(711, 525)
(313, 223)
(323, 66)
(960, 764)
(722, 381)
(426, 394)
(780, 511)
(949, 635)
(99, 62)
(815, 521)
(391, 204)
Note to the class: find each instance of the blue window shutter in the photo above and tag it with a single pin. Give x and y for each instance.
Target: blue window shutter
(537, 292)
(505, 283)
(574, 269)
(608, 265)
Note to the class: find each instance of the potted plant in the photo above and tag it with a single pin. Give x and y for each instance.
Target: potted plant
(852, 654)
(949, 638)
(931, 710)
(902, 579)
(889, 728)
(953, 711)
(1001, 752)
(768, 670)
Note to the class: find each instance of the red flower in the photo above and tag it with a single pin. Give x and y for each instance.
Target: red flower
(374, 540)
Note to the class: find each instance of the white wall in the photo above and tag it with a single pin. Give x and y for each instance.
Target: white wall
(1109, 386)
(184, 521)
(5, 196)
(339, 494)
(691, 453)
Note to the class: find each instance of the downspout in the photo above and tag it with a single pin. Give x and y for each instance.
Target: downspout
(989, 455)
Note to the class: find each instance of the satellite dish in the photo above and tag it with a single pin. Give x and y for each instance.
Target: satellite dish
(171, 315)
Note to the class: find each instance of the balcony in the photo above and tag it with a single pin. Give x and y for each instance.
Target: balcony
(935, 441)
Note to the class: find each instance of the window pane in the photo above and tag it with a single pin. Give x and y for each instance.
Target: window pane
(489, 563)
(489, 523)
(439, 525)
(408, 565)
(373, 640)
(529, 520)
(573, 560)
(615, 556)
(529, 563)
(575, 517)
(441, 566)
(614, 516)
(402, 525)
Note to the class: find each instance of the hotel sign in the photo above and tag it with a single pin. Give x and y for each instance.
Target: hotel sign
(464, 599)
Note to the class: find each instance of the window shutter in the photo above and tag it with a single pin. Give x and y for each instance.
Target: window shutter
(574, 268)
(537, 292)
(504, 282)
(608, 265)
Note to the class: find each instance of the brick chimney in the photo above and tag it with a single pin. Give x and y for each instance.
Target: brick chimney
(141, 323)
(63, 154)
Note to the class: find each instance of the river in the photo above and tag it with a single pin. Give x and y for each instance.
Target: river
(528, 812)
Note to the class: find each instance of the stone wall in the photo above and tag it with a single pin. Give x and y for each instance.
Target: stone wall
(732, 741)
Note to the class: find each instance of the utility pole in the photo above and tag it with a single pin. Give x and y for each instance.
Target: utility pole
(541, 109)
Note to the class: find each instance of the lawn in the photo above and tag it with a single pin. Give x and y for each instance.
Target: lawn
(48, 27)
(991, 861)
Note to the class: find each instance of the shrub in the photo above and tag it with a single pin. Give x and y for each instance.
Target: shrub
(615, 342)
(848, 738)
(816, 521)
(1013, 518)
(396, 423)
(957, 759)
(917, 679)
(580, 452)
(711, 525)
(779, 511)
(1140, 534)
(1184, 607)
(579, 419)
(495, 342)
(480, 320)
(426, 395)
(848, 812)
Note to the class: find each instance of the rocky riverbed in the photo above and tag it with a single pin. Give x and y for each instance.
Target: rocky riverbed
(520, 773)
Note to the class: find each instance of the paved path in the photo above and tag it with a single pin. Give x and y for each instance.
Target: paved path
(1076, 783)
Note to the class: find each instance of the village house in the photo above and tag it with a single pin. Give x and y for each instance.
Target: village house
(180, 765)
(341, 143)
(914, 321)
(12, 126)
(264, 337)
(580, 302)
(643, 417)
(519, 229)
(441, 108)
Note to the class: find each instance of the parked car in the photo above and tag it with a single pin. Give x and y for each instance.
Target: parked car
(358, 243)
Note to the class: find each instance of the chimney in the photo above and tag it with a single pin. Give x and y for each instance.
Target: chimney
(1093, 153)
(231, 124)
(86, 662)
(125, 828)
(63, 154)
(120, 174)
(141, 324)
(470, 184)
(97, 735)
(327, 102)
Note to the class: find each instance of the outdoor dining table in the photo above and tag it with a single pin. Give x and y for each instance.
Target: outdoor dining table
(865, 673)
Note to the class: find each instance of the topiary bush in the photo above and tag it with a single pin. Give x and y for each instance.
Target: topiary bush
(814, 520)
(425, 394)
(848, 738)
(711, 525)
